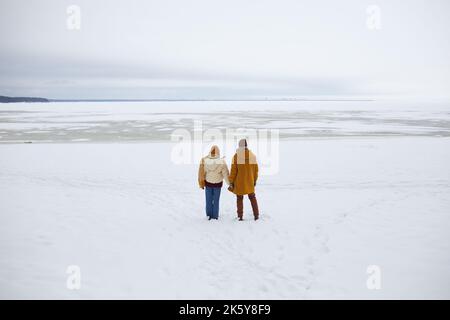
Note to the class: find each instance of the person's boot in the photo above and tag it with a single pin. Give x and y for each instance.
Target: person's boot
(209, 218)
(241, 219)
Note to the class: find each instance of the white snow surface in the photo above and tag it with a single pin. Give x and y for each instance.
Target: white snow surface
(134, 221)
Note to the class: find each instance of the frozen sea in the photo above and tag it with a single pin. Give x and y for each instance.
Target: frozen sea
(154, 121)
(94, 185)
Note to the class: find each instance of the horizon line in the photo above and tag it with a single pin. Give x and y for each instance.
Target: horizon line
(206, 99)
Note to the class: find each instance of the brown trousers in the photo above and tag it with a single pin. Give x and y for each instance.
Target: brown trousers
(240, 205)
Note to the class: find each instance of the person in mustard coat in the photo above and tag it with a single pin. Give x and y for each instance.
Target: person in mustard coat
(243, 177)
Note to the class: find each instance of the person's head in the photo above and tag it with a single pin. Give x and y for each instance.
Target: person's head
(243, 143)
(214, 152)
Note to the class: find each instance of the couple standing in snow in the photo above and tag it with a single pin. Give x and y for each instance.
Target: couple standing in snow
(242, 179)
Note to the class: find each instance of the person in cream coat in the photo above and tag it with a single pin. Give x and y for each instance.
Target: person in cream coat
(211, 173)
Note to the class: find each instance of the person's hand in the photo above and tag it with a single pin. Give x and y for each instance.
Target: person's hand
(231, 187)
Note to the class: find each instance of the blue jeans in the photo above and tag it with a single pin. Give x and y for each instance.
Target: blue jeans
(212, 202)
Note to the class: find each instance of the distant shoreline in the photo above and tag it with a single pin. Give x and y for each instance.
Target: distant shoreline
(5, 99)
(199, 100)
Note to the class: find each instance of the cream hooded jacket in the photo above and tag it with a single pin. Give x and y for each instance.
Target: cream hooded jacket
(212, 169)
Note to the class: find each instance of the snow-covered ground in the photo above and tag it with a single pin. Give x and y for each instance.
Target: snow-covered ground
(372, 189)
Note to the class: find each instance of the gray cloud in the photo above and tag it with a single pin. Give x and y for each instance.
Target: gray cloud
(148, 49)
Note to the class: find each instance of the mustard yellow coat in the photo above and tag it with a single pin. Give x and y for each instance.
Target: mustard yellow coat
(244, 172)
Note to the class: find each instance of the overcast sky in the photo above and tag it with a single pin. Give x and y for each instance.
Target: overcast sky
(224, 49)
